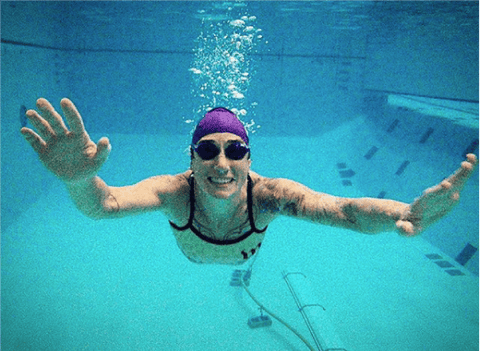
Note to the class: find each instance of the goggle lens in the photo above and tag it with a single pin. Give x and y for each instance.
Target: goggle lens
(208, 151)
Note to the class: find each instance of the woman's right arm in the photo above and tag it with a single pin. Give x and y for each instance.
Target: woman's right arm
(74, 158)
(97, 200)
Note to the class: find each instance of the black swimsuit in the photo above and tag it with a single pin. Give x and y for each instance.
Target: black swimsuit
(190, 226)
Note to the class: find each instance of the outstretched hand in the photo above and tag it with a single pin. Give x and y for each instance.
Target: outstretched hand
(69, 154)
(437, 201)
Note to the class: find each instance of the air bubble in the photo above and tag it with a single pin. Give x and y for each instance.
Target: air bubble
(222, 65)
(237, 95)
(237, 23)
(195, 71)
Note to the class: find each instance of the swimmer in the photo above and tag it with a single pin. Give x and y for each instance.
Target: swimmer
(219, 209)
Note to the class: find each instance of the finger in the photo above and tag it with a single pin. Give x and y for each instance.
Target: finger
(441, 195)
(51, 116)
(460, 177)
(436, 190)
(456, 181)
(72, 116)
(103, 150)
(34, 139)
(40, 124)
(472, 159)
(455, 197)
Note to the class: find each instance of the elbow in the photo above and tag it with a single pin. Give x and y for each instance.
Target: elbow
(108, 209)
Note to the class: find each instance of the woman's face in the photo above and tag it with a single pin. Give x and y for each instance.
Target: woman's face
(221, 177)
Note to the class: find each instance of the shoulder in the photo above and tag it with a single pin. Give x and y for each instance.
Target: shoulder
(285, 197)
(275, 194)
(280, 188)
(173, 192)
(172, 185)
(166, 184)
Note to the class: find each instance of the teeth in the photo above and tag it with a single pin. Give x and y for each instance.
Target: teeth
(221, 180)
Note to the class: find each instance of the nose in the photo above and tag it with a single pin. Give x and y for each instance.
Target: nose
(221, 163)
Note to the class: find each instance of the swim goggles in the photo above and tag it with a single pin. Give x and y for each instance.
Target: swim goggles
(208, 150)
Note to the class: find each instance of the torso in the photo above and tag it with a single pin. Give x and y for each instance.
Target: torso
(200, 250)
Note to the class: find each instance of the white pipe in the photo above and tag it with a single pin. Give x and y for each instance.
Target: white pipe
(276, 317)
(313, 313)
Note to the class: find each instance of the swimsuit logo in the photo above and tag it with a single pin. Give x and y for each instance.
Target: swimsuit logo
(246, 255)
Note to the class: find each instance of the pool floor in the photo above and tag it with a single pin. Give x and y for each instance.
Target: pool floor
(71, 283)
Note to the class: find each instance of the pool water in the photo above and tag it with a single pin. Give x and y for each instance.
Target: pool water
(72, 283)
(69, 282)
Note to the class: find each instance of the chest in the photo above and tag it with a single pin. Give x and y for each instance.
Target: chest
(214, 223)
(220, 226)
(202, 250)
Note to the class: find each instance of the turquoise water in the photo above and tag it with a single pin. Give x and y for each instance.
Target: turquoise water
(321, 99)
(70, 283)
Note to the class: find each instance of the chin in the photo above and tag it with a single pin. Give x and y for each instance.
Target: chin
(222, 193)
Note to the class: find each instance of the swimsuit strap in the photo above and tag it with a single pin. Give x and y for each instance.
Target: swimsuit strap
(190, 226)
(192, 207)
(250, 207)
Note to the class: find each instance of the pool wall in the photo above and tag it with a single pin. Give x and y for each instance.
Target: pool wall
(129, 80)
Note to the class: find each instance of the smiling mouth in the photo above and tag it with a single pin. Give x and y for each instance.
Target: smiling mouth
(220, 180)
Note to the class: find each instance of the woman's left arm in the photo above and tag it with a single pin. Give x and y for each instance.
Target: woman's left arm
(366, 215)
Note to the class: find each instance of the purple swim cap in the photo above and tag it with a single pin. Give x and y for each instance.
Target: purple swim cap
(219, 120)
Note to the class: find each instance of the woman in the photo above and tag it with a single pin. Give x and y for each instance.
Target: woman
(219, 209)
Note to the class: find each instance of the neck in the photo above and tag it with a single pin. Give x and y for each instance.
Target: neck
(220, 209)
